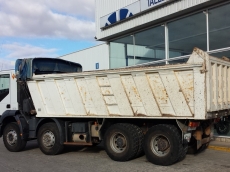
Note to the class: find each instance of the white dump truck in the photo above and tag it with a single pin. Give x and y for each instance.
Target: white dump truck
(159, 110)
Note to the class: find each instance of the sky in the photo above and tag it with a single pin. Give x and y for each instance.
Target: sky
(44, 28)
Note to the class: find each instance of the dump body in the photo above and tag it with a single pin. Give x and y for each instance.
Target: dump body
(195, 90)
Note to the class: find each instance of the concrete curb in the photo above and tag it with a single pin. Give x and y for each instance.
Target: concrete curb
(220, 143)
(222, 139)
(219, 148)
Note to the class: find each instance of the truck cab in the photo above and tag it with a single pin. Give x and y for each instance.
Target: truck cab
(8, 91)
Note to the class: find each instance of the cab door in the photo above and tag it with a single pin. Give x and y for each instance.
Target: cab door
(4, 91)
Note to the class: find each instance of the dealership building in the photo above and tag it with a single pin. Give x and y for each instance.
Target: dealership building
(156, 32)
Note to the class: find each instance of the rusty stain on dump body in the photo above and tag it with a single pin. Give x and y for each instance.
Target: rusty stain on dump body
(135, 90)
(140, 115)
(191, 88)
(136, 93)
(107, 92)
(114, 115)
(168, 115)
(89, 114)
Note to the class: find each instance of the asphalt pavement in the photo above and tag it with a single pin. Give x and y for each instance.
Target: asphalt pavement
(88, 159)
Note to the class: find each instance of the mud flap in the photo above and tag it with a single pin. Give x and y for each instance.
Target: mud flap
(198, 136)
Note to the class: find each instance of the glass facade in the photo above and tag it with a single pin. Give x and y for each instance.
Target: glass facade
(187, 33)
(221, 54)
(219, 27)
(150, 45)
(208, 30)
(139, 48)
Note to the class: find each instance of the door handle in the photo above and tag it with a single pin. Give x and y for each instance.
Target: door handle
(8, 106)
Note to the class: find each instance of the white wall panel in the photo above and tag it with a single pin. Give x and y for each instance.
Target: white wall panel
(89, 57)
(104, 7)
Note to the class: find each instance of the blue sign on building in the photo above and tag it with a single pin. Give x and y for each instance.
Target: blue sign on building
(97, 65)
(146, 4)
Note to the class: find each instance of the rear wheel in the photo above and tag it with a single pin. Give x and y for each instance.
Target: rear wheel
(12, 139)
(140, 134)
(49, 139)
(163, 145)
(184, 152)
(121, 142)
(222, 128)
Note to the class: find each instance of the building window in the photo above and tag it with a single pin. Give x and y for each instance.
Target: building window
(221, 54)
(219, 28)
(187, 33)
(4, 86)
(150, 45)
(120, 51)
(142, 47)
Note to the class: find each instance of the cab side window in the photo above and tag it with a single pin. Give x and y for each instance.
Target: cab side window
(4, 86)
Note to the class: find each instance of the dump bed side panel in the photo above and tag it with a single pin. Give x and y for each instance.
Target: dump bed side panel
(217, 79)
(168, 92)
(218, 84)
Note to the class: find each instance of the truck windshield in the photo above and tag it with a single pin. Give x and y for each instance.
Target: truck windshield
(48, 66)
(26, 68)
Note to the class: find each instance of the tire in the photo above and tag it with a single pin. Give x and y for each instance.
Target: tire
(222, 128)
(49, 139)
(184, 152)
(121, 142)
(12, 139)
(192, 148)
(95, 144)
(140, 134)
(163, 145)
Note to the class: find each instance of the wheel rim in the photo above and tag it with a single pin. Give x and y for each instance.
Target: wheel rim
(223, 128)
(160, 145)
(48, 139)
(118, 142)
(12, 137)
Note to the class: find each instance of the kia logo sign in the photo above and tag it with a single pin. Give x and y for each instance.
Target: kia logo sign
(120, 14)
(125, 13)
(130, 11)
(111, 19)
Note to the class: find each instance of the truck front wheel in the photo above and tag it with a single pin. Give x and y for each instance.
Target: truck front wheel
(163, 145)
(49, 139)
(12, 139)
